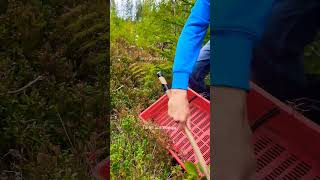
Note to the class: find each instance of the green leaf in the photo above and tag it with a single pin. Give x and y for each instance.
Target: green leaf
(191, 168)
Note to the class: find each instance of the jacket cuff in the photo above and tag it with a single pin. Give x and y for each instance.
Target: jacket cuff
(180, 80)
(231, 56)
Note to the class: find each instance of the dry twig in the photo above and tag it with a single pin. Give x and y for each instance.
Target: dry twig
(26, 86)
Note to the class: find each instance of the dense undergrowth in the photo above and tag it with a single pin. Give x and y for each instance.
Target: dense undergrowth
(53, 86)
(135, 152)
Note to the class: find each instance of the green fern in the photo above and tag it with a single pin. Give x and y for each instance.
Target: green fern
(87, 34)
(71, 14)
(82, 22)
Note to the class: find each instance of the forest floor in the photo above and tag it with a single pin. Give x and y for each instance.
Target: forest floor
(136, 152)
(53, 106)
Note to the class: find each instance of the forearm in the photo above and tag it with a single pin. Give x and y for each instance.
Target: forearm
(233, 151)
(228, 104)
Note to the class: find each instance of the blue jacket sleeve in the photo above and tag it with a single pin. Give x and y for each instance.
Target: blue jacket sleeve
(236, 25)
(189, 43)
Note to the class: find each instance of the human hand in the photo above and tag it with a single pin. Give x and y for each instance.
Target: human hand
(178, 106)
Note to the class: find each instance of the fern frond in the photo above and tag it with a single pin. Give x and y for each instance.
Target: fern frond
(73, 13)
(83, 21)
(88, 33)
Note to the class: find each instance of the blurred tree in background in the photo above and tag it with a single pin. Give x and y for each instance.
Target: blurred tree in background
(150, 24)
(53, 87)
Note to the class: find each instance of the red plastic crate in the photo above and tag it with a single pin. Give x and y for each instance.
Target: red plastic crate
(181, 149)
(287, 145)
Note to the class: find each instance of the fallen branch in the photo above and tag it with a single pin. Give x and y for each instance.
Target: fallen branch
(26, 86)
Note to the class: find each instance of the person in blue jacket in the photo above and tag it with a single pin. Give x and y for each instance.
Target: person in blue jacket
(236, 27)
